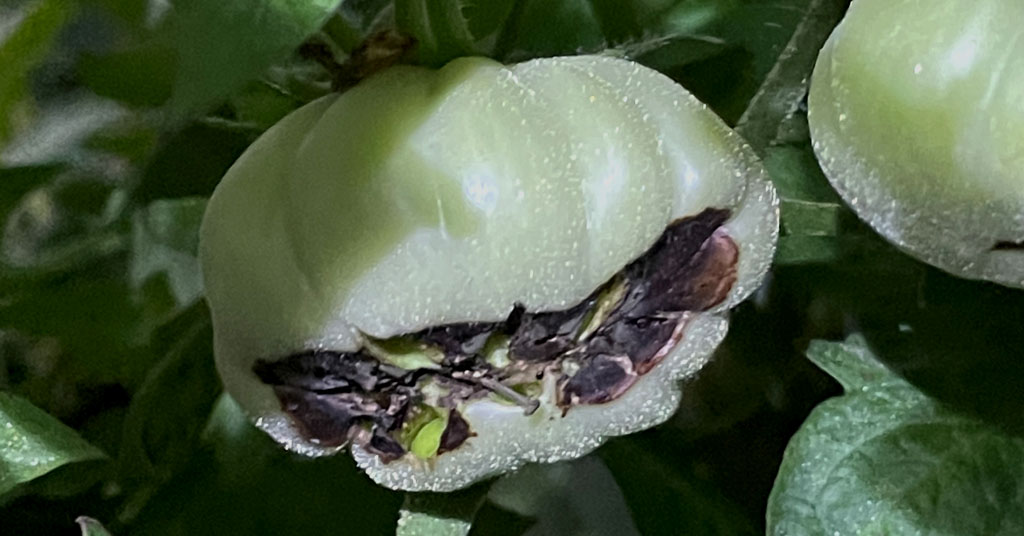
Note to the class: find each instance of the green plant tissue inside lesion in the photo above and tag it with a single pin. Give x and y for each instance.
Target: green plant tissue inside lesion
(405, 395)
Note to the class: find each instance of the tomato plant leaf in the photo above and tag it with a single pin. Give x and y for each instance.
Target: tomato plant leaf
(241, 482)
(354, 19)
(440, 29)
(199, 52)
(574, 498)
(222, 44)
(164, 421)
(192, 162)
(33, 443)
(667, 499)
(165, 241)
(22, 47)
(957, 340)
(542, 28)
(886, 459)
(450, 28)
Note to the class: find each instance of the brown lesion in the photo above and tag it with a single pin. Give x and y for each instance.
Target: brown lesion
(1007, 245)
(595, 350)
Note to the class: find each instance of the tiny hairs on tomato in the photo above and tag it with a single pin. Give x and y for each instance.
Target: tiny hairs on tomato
(917, 119)
(455, 272)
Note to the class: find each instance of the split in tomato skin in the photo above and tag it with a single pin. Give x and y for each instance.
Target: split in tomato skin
(431, 203)
(593, 356)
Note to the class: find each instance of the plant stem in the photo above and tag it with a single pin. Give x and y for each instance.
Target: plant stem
(779, 96)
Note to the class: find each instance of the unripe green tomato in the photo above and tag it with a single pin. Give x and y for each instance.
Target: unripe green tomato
(423, 198)
(917, 117)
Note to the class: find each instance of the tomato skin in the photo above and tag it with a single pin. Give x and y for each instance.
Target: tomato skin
(421, 198)
(917, 119)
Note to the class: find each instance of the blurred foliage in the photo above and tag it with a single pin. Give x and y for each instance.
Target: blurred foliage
(119, 117)
(886, 459)
(33, 444)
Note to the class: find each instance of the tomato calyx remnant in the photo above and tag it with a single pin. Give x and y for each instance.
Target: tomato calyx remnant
(404, 394)
(379, 51)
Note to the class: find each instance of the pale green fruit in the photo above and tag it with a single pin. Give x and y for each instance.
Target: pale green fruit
(917, 117)
(425, 197)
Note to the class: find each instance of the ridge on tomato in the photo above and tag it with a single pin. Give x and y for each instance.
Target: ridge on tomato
(463, 270)
(917, 119)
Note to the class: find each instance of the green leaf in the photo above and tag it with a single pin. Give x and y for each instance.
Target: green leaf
(142, 75)
(23, 48)
(957, 340)
(298, 78)
(576, 498)
(91, 527)
(223, 44)
(797, 176)
(32, 443)
(439, 27)
(665, 498)
(262, 105)
(810, 218)
(446, 29)
(165, 242)
(166, 416)
(93, 317)
(201, 51)
(242, 482)
(807, 249)
(545, 28)
(440, 514)
(61, 131)
(851, 363)
(817, 227)
(192, 161)
(886, 459)
(487, 17)
(755, 34)
(15, 182)
(62, 225)
(353, 20)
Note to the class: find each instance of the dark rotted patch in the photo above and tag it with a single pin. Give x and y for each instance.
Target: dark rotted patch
(661, 280)
(329, 394)
(455, 434)
(544, 336)
(1007, 245)
(654, 306)
(691, 267)
(461, 342)
(638, 338)
(327, 418)
(385, 446)
(338, 397)
(325, 371)
(602, 379)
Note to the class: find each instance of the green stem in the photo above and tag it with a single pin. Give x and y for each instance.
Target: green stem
(786, 84)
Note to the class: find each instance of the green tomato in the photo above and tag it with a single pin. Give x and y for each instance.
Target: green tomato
(422, 198)
(917, 118)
